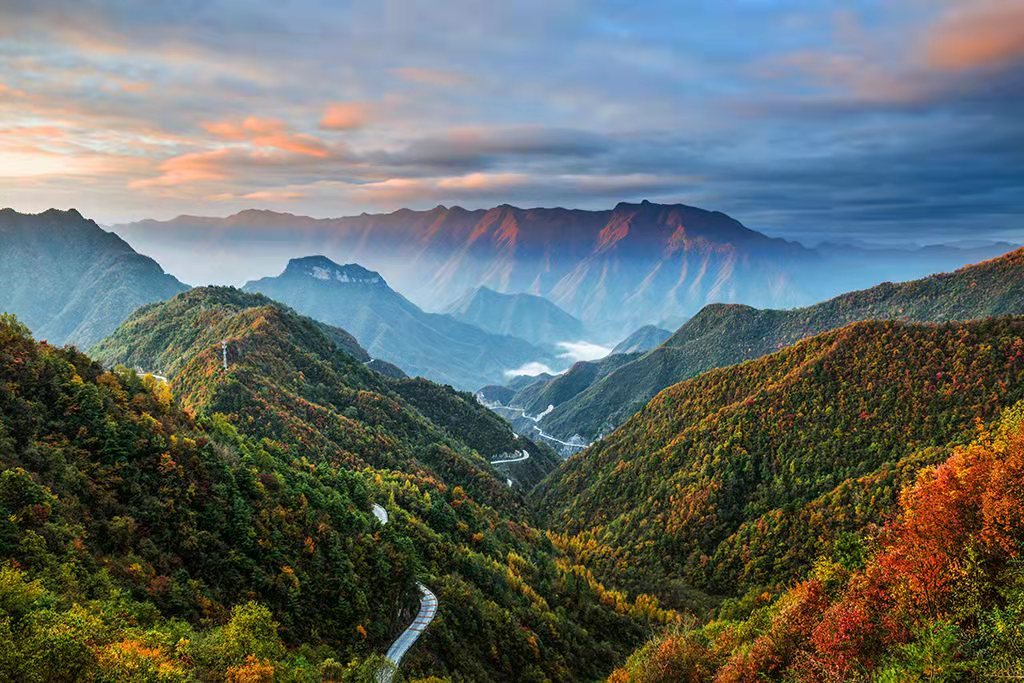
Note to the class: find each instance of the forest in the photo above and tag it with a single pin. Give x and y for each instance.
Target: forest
(728, 483)
(745, 524)
(145, 542)
(936, 594)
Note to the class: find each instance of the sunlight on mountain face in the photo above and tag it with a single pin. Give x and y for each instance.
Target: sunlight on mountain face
(582, 350)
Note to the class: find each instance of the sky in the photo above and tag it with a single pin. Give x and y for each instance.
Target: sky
(887, 120)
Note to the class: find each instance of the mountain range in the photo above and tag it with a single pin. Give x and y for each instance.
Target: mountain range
(723, 334)
(246, 484)
(615, 270)
(394, 329)
(71, 281)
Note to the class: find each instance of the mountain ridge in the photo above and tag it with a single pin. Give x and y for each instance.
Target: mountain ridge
(393, 328)
(678, 497)
(668, 259)
(71, 281)
(664, 261)
(723, 334)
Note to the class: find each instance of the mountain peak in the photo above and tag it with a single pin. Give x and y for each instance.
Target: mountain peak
(320, 267)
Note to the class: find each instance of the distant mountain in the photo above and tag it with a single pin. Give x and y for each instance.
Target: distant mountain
(725, 334)
(643, 340)
(526, 316)
(71, 281)
(846, 266)
(615, 270)
(394, 329)
(734, 480)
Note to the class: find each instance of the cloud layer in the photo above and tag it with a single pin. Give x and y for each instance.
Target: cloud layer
(893, 120)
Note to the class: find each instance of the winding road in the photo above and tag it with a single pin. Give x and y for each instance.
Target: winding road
(428, 608)
(519, 457)
(547, 436)
(497, 407)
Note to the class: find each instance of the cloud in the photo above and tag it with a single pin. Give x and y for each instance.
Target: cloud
(271, 196)
(345, 116)
(480, 146)
(531, 369)
(582, 350)
(37, 132)
(267, 132)
(514, 187)
(274, 195)
(187, 169)
(977, 36)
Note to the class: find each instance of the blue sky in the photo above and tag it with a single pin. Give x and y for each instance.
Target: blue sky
(898, 120)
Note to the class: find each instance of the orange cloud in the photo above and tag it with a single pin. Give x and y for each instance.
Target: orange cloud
(7, 91)
(480, 182)
(44, 132)
(187, 168)
(989, 35)
(344, 115)
(267, 132)
(273, 195)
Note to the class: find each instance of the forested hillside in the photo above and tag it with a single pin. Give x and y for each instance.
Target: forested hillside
(535, 397)
(288, 385)
(936, 594)
(723, 334)
(287, 381)
(728, 483)
(462, 415)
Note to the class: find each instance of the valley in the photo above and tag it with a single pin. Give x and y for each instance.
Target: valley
(511, 342)
(685, 483)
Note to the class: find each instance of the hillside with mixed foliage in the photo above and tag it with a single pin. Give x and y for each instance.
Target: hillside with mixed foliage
(71, 281)
(724, 334)
(288, 386)
(288, 381)
(935, 594)
(729, 483)
(462, 416)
